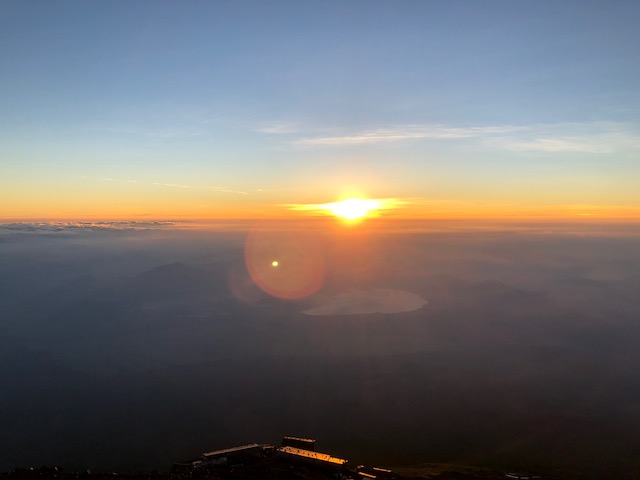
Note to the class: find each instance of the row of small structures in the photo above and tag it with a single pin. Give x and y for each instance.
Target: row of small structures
(294, 450)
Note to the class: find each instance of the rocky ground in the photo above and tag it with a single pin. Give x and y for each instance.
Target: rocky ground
(260, 469)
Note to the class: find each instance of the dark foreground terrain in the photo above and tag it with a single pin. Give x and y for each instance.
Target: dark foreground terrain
(295, 459)
(263, 469)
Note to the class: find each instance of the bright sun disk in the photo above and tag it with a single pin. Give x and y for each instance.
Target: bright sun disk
(352, 208)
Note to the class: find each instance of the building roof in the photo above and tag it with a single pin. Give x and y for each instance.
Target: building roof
(300, 439)
(231, 450)
(321, 457)
(380, 469)
(366, 475)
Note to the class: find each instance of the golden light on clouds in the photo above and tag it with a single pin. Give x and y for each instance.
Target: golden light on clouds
(350, 209)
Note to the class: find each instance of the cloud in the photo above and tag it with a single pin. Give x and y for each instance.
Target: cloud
(591, 138)
(228, 190)
(378, 300)
(278, 128)
(111, 179)
(408, 132)
(171, 185)
(48, 227)
(594, 139)
(553, 145)
(345, 208)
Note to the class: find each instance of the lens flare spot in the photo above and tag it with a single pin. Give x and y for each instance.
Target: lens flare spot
(299, 270)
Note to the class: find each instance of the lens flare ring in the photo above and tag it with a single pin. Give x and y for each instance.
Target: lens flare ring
(286, 265)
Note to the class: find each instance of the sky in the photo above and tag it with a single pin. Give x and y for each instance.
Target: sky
(457, 109)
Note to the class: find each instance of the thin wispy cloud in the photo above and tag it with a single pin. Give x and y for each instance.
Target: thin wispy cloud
(588, 138)
(175, 185)
(407, 132)
(110, 179)
(594, 140)
(228, 190)
(278, 128)
(556, 145)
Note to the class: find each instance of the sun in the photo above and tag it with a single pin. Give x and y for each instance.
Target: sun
(352, 208)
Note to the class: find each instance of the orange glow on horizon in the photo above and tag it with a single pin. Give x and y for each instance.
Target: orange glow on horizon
(353, 208)
(350, 209)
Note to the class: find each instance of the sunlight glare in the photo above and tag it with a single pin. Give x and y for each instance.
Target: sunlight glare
(353, 208)
(350, 209)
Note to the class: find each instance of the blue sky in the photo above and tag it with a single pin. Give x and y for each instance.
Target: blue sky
(494, 101)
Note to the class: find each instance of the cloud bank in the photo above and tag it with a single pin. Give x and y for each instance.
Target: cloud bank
(378, 300)
(82, 226)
